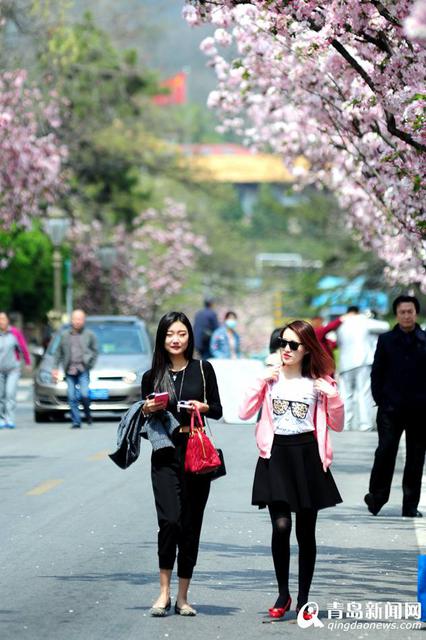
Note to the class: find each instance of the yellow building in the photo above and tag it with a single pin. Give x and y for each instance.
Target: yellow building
(236, 164)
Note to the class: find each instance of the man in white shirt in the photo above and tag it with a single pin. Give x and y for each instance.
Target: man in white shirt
(356, 339)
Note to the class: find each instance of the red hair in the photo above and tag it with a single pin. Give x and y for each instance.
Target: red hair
(317, 362)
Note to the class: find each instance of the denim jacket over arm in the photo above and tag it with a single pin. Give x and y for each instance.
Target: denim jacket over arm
(157, 428)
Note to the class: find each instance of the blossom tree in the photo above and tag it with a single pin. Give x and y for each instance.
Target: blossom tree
(343, 84)
(94, 286)
(30, 155)
(152, 261)
(165, 250)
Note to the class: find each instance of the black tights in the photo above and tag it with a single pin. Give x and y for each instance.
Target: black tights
(305, 534)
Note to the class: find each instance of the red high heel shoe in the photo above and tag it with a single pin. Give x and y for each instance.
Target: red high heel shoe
(306, 614)
(279, 612)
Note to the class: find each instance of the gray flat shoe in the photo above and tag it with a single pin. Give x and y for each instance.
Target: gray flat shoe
(160, 612)
(185, 610)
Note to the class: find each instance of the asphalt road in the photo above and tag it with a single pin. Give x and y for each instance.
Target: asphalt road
(78, 543)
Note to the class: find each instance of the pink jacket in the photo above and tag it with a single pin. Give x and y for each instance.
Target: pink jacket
(22, 345)
(329, 412)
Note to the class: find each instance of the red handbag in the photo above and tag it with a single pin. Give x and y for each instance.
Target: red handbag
(201, 455)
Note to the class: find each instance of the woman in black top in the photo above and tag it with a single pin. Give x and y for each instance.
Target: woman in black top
(180, 498)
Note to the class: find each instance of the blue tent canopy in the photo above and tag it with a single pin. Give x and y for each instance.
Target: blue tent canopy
(338, 293)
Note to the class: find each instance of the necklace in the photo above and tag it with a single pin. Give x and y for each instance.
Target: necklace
(174, 376)
(174, 372)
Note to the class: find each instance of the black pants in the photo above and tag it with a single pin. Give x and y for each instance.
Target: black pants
(390, 426)
(180, 500)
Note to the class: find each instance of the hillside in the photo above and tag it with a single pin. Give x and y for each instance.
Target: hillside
(156, 29)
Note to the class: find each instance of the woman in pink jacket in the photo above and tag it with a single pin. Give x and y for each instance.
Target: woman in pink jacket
(299, 401)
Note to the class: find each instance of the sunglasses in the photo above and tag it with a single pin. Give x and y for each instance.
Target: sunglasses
(291, 343)
(298, 409)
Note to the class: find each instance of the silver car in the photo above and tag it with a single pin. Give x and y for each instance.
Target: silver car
(125, 353)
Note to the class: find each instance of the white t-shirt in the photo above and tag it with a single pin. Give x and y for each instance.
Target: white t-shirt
(357, 338)
(293, 405)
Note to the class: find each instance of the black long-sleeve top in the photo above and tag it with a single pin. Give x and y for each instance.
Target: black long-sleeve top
(192, 389)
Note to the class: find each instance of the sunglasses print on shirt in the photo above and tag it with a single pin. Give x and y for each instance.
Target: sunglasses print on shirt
(299, 410)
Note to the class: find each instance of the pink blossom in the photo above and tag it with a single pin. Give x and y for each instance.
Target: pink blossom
(338, 84)
(208, 47)
(31, 161)
(223, 37)
(415, 23)
(220, 17)
(191, 15)
(153, 260)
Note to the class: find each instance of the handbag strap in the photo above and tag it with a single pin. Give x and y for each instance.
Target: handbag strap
(195, 414)
(204, 381)
(205, 398)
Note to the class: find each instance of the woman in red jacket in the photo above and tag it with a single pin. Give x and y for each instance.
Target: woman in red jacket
(299, 401)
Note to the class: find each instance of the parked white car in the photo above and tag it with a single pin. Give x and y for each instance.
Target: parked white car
(125, 353)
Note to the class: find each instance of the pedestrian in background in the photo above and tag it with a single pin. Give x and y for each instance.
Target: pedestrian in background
(274, 357)
(180, 497)
(398, 384)
(355, 360)
(225, 341)
(322, 330)
(205, 323)
(13, 346)
(299, 400)
(77, 352)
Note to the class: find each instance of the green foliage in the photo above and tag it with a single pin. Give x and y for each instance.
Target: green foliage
(226, 270)
(184, 123)
(23, 23)
(110, 124)
(99, 82)
(107, 183)
(308, 223)
(26, 284)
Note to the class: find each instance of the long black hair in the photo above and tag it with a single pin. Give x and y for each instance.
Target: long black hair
(160, 374)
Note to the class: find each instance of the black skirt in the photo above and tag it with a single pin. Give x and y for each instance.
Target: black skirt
(294, 475)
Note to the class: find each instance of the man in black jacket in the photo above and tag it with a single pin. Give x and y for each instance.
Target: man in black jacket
(398, 384)
(205, 322)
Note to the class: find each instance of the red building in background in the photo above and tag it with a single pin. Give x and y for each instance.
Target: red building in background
(176, 94)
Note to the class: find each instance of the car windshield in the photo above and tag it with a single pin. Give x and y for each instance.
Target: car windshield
(114, 338)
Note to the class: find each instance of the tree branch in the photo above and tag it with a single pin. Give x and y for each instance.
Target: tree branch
(402, 135)
(381, 42)
(390, 118)
(385, 13)
(354, 63)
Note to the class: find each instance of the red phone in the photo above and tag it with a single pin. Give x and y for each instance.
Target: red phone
(159, 397)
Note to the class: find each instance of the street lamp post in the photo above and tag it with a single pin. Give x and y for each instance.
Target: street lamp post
(56, 226)
(107, 256)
